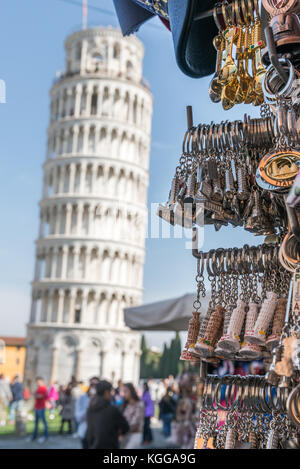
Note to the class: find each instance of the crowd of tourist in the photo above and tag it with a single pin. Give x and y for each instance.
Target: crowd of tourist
(100, 415)
(106, 417)
(12, 395)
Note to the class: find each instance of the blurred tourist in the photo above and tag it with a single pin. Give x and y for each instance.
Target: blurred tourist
(67, 411)
(53, 397)
(16, 404)
(257, 367)
(26, 394)
(105, 422)
(175, 392)
(153, 386)
(118, 399)
(186, 423)
(226, 367)
(167, 407)
(81, 407)
(61, 390)
(149, 412)
(241, 368)
(133, 411)
(160, 390)
(83, 387)
(76, 391)
(5, 398)
(41, 397)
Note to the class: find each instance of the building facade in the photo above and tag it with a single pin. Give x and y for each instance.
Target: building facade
(12, 357)
(93, 213)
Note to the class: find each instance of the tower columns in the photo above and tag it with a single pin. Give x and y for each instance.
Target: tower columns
(74, 147)
(54, 360)
(64, 261)
(60, 305)
(72, 306)
(77, 100)
(68, 219)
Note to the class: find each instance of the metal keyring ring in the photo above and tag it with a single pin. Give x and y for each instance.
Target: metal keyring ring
(293, 406)
(184, 141)
(202, 259)
(221, 136)
(228, 260)
(215, 15)
(194, 141)
(214, 264)
(275, 405)
(203, 138)
(190, 134)
(228, 391)
(215, 137)
(218, 397)
(237, 13)
(208, 258)
(265, 407)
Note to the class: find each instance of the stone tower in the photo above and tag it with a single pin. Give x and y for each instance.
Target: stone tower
(93, 214)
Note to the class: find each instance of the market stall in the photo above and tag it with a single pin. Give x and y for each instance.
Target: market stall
(168, 315)
(243, 173)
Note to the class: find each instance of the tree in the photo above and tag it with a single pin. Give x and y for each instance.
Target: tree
(149, 361)
(176, 355)
(161, 365)
(143, 359)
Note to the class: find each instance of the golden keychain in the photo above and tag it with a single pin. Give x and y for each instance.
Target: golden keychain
(251, 95)
(215, 86)
(255, 50)
(243, 77)
(228, 76)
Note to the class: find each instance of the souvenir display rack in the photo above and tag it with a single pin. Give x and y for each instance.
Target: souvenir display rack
(246, 173)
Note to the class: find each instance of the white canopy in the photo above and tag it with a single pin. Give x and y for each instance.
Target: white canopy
(168, 315)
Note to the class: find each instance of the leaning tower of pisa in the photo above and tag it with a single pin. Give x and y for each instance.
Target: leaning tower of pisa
(90, 247)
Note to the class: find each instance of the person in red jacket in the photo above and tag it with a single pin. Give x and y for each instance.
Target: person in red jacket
(41, 397)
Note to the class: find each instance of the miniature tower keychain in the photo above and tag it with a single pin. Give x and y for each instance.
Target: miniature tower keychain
(250, 351)
(231, 341)
(219, 351)
(258, 334)
(189, 353)
(194, 326)
(278, 322)
(205, 344)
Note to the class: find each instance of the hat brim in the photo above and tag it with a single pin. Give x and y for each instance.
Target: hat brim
(193, 40)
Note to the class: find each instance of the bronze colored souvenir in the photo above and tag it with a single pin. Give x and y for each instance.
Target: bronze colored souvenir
(285, 366)
(286, 29)
(278, 7)
(205, 345)
(280, 168)
(194, 325)
(278, 322)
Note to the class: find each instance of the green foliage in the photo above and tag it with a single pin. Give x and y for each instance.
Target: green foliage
(161, 365)
(53, 425)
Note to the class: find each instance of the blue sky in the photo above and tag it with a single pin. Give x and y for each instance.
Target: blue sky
(32, 34)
